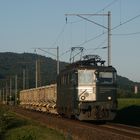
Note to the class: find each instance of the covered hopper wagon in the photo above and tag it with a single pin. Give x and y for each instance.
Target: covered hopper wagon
(40, 99)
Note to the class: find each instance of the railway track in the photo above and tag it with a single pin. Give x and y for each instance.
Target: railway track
(82, 130)
(124, 129)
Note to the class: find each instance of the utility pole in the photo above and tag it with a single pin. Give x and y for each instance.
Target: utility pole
(36, 74)
(58, 69)
(24, 74)
(27, 79)
(6, 92)
(83, 16)
(10, 90)
(15, 89)
(57, 56)
(109, 38)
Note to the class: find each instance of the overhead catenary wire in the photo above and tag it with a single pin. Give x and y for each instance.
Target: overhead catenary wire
(99, 35)
(91, 39)
(87, 40)
(108, 5)
(99, 46)
(86, 49)
(43, 49)
(127, 34)
(120, 11)
(127, 21)
(65, 52)
(59, 35)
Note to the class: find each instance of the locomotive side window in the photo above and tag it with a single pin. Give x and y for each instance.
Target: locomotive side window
(74, 78)
(65, 79)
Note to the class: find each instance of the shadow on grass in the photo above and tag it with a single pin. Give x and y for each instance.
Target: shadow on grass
(15, 122)
(129, 116)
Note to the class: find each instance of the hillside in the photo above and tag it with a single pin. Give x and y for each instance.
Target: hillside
(12, 64)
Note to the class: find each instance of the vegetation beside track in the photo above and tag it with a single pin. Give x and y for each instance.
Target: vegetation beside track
(126, 102)
(13, 127)
(128, 111)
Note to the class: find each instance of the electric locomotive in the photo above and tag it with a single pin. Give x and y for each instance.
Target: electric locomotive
(87, 90)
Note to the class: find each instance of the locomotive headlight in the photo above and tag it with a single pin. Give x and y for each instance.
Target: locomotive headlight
(83, 97)
(109, 98)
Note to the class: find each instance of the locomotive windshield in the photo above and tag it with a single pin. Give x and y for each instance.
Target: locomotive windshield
(85, 77)
(89, 77)
(106, 77)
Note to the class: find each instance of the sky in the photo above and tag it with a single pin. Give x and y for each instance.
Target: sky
(26, 25)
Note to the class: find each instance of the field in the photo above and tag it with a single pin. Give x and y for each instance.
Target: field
(128, 111)
(13, 127)
(126, 102)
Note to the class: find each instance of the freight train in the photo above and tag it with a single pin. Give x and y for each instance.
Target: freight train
(85, 90)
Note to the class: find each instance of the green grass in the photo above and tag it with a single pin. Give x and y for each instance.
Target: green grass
(128, 111)
(13, 127)
(32, 132)
(126, 102)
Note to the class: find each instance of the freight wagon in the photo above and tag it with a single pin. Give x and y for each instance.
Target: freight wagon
(40, 99)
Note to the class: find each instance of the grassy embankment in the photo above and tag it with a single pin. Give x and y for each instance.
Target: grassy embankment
(13, 127)
(128, 111)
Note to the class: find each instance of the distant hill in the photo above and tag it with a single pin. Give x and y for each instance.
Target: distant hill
(12, 64)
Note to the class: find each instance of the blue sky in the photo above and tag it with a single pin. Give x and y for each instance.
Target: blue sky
(29, 24)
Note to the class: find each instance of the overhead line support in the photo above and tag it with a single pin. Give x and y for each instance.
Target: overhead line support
(108, 28)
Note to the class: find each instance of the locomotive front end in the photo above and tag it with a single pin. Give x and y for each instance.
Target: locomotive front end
(87, 90)
(97, 93)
